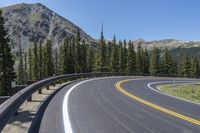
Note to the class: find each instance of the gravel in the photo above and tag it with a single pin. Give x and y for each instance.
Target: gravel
(21, 122)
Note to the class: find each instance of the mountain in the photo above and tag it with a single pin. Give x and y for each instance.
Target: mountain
(28, 23)
(168, 43)
(176, 47)
(35, 22)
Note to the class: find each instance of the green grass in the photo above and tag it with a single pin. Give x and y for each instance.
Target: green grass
(186, 91)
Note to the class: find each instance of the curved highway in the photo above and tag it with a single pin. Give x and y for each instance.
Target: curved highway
(119, 105)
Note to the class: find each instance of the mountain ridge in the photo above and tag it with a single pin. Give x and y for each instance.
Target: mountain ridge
(30, 23)
(168, 43)
(36, 22)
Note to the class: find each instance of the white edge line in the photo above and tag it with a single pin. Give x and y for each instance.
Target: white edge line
(67, 125)
(65, 109)
(66, 120)
(149, 85)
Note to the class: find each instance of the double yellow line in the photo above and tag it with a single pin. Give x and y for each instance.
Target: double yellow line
(186, 118)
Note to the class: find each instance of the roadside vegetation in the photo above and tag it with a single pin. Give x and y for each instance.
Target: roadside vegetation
(186, 91)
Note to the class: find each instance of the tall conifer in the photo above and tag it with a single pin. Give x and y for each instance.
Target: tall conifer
(114, 61)
(131, 59)
(186, 69)
(49, 59)
(7, 74)
(100, 64)
(90, 59)
(195, 68)
(155, 62)
(139, 59)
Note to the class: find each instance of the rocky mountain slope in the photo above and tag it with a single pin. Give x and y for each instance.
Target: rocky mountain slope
(35, 22)
(168, 43)
(28, 23)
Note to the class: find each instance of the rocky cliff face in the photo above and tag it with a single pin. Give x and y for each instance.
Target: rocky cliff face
(35, 22)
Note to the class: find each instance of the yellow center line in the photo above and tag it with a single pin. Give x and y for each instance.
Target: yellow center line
(186, 118)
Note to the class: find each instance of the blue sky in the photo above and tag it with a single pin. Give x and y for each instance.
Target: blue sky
(130, 19)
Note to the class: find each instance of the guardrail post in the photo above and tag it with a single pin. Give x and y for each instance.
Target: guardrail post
(29, 99)
(16, 113)
(54, 84)
(47, 87)
(40, 91)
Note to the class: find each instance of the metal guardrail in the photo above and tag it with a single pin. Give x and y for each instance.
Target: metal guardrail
(10, 106)
(3, 99)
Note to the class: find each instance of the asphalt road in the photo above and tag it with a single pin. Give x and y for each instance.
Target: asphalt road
(101, 106)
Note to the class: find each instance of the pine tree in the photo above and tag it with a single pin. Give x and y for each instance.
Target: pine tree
(45, 63)
(114, 61)
(78, 52)
(173, 69)
(41, 62)
(60, 59)
(21, 71)
(131, 59)
(195, 68)
(25, 62)
(139, 59)
(90, 59)
(35, 61)
(125, 53)
(155, 62)
(65, 56)
(72, 55)
(146, 62)
(166, 62)
(121, 57)
(169, 64)
(30, 64)
(7, 74)
(68, 57)
(25, 68)
(49, 59)
(56, 61)
(186, 65)
(83, 58)
(100, 64)
(109, 51)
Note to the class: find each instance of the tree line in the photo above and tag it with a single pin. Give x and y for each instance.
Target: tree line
(7, 73)
(78, 56)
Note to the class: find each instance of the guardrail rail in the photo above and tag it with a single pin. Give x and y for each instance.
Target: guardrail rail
(11, 106)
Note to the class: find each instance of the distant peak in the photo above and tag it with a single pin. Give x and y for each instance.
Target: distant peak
(26, 4)
(39, 4)
(140, 40)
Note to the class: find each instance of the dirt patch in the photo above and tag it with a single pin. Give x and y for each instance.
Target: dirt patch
(21, 122)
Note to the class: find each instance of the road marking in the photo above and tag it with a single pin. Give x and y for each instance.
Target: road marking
(122, 90)
(67, 124)
(149, 85)
(65, 109)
